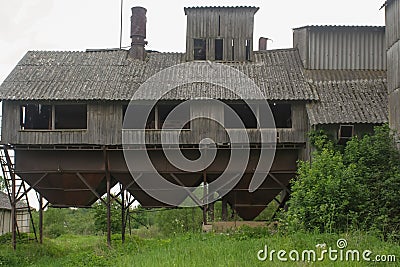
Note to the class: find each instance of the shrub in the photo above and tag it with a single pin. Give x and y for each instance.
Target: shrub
(352, 187)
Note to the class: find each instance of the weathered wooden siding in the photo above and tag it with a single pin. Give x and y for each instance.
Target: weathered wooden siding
(237, 25)
(23, 221)
(201, 129)
(359, 129)
(105, 124)
(103, 127)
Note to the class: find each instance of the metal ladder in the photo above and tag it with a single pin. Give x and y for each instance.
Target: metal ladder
(22, 206)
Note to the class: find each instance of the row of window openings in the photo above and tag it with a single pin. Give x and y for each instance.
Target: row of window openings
(200, 49)
(63, 117)
(53, 117)
(157, 118)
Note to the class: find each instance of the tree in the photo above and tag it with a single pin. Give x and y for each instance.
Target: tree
(355, 186)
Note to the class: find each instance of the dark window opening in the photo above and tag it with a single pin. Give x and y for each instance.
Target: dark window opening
(178, 119)
(53, 117)
(70, 117)
(200, 49)
(136, 121)
(282, 115)
(233, 50)
(35, 117)
(244, 112)
(346, 131)
(219, 25)
(248, 50)
(219, 49)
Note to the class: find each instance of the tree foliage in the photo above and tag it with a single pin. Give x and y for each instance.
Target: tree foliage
(355, 187)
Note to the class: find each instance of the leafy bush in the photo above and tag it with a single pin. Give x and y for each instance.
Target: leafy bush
(355, 187)
(326, 195)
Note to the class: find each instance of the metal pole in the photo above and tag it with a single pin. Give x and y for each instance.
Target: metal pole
(204, 198)
(120, 35)
(13, 212)
(108, 178)
(224, 209)
(40, 219)
(123, 224)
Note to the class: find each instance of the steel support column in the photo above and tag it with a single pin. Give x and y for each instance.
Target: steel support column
(40, 219)
(13, 212)
(224, 214)
(123, 222)
(205, 198)
(108, 178)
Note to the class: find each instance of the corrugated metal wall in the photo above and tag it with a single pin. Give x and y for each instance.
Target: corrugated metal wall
(341, 47)
(392, 23)
(393, 56)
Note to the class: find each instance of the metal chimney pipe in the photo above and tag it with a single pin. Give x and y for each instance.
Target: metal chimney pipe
(262, 44)
(138, 33)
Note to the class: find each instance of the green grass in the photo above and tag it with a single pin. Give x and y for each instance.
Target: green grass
(196, 249)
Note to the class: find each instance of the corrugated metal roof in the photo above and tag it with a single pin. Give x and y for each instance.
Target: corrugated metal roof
(111, 75)
(341, 27)
(348, 97)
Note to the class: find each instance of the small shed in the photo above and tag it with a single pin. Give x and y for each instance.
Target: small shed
(23, 220)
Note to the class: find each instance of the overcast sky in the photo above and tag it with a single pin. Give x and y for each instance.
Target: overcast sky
(82, 24)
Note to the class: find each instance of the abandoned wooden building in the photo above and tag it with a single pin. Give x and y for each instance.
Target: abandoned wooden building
(22, 216)
(63, 112)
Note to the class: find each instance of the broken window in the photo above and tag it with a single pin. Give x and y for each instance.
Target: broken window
(244, 112)
(51, 117)
(219, 49)
(346, 131)
(136, 122)
(282, 115)
(70, 117)
(35, 117)
(200, 49)
(179, 119)
(248, 50)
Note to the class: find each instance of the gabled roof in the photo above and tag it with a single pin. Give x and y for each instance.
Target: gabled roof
(112, 75)
(348, 97)
(5, 202)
